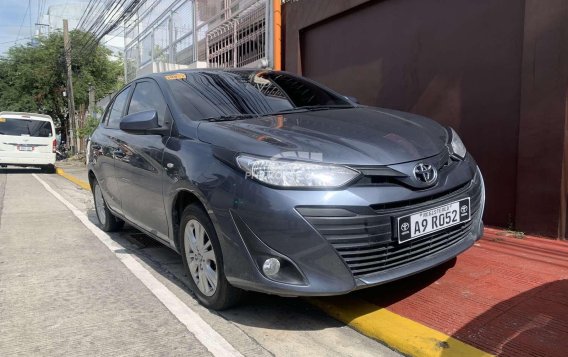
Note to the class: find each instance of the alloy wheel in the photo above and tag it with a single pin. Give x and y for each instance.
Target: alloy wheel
(201, 258)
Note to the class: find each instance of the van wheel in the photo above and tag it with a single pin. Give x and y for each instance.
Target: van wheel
(108, 221)
(48, 169)
(203, 261)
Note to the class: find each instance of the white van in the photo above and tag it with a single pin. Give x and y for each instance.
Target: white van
(27, 139)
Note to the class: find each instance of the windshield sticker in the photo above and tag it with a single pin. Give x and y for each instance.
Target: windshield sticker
(2, 120)
(171, 77)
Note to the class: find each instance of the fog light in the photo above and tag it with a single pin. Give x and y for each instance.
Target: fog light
(271, 266)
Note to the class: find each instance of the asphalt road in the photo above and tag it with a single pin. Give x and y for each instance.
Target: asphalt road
(66, 288)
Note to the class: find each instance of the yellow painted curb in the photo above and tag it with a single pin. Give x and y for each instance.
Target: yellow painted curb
(398, 332)
(84, 185)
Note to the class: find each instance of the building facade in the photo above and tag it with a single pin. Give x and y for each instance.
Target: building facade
(496, 71)
(173, 34)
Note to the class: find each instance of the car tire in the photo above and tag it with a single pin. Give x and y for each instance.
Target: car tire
(107, 221)
(48, 169)
(205, 259)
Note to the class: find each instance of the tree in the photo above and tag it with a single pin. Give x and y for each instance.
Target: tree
(33, 77)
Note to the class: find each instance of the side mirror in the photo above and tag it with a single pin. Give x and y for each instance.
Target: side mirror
(352, 99)
(145, 122)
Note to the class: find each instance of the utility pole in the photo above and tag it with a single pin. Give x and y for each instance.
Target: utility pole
(91, 100)
(70, 97)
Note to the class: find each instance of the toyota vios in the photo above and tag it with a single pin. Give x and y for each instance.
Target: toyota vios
(269, 182)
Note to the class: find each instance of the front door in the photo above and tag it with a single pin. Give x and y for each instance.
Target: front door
(105, 148)
(139, 169)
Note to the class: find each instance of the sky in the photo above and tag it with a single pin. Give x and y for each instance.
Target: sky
(15, 20)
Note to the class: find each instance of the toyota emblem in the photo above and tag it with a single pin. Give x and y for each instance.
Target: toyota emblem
(425, 173)
(405, 226)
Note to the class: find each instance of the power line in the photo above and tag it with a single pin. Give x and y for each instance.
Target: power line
(91, 6)
(106, 27)
(86, 14)
(31, 28)
(23, 19)
(14, 41)
(40, 13)
(98, 20)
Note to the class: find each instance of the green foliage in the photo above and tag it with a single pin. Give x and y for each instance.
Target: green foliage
(33, 78)
(89, 126)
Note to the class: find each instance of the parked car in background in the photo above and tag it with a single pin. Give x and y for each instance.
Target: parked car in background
(266, 181)
(27, 139)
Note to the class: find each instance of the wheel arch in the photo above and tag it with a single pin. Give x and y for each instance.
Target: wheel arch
(92, 178)
(182, 199)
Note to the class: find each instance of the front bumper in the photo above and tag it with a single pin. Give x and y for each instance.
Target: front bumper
(334, 242)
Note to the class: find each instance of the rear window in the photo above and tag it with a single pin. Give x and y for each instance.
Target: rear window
(27, 127)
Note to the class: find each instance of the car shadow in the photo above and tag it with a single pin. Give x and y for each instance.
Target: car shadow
(263, 310)
(256, 310)
(387, 294)
(20, 170)
(533, 323)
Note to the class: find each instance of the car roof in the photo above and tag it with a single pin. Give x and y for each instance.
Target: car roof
(24, 115)
(205, 70)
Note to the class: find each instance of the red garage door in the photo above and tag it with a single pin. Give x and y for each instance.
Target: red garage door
(457, 61)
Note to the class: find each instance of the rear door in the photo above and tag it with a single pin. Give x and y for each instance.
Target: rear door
(139, 169)
(25, 136)
(106, 150)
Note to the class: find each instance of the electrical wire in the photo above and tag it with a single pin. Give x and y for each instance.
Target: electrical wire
(106, 27)
(23, 19)
(14, 41)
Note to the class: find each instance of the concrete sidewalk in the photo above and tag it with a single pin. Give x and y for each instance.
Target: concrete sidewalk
(507, 295)
(62, 293)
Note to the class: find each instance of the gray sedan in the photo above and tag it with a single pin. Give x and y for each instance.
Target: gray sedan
(266, 181)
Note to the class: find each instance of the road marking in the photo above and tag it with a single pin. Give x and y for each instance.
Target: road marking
(404, 335)
(210, 338)
(84, 185)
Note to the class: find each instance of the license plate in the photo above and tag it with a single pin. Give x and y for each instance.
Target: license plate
(25, 148)
(432, 220)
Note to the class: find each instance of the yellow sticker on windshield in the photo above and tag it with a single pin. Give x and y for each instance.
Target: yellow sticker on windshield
(171, 77)
(2, 120)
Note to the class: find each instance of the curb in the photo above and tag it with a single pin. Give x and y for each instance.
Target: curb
(400, 333)
(84, 185)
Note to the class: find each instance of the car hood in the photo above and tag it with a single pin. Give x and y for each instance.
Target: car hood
(353, 136)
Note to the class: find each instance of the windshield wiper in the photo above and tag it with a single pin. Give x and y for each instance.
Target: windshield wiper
(314, 108)
(231, 117)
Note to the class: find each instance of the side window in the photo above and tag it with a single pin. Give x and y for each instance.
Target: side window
(106, 113)
(147, 96)
(115, 112)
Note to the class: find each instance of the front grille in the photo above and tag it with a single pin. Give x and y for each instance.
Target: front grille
(381, 257)
(364, 238)
(416, 202)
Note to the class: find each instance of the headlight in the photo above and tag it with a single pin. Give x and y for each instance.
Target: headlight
(297, 174)
(456, 145)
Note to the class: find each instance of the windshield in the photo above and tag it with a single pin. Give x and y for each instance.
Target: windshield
(27, 127)
(215, 94)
